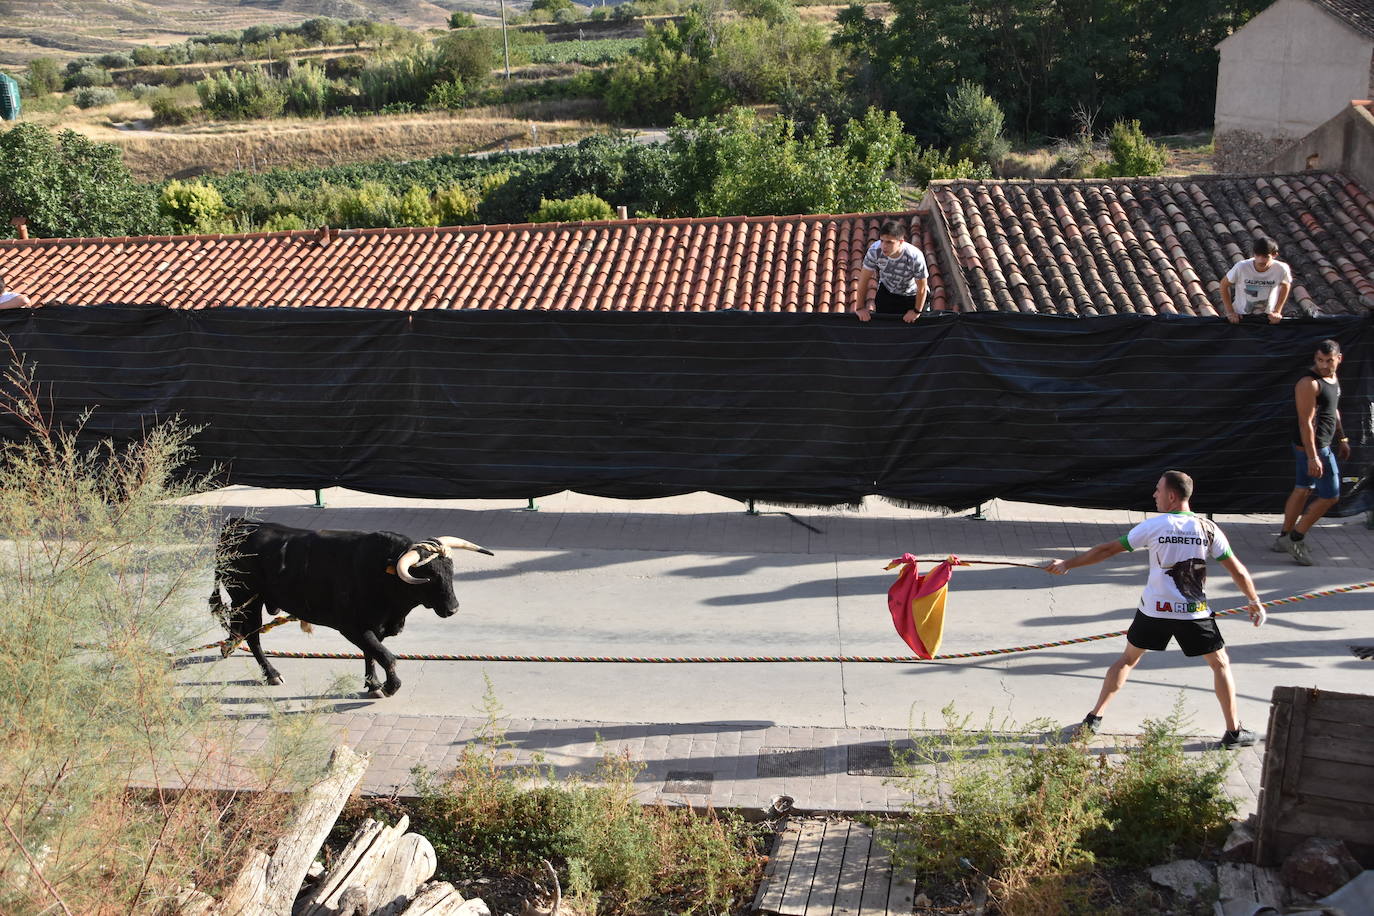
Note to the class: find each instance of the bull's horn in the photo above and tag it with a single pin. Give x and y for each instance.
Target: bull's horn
(459, 544)
(407, 560)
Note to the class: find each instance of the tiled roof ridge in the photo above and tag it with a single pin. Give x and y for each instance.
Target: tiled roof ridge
(1130, 179)
(315, 235)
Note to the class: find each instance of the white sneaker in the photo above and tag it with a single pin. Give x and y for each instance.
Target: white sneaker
(1280, 544)
(1299, 552)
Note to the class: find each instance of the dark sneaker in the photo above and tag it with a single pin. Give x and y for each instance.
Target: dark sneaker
(1241, 737)
(1280, 544)
(1299, 552)
(1088, 727)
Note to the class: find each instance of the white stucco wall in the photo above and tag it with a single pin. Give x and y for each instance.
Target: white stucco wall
(1289, 70)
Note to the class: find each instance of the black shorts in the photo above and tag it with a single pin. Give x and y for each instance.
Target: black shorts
(887, 302)
(1195, 637)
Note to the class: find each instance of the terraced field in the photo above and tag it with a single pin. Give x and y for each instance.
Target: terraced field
(69, 28)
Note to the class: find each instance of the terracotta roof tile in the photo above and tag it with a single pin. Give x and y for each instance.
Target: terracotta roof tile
(1358, 13)
(1156, 245)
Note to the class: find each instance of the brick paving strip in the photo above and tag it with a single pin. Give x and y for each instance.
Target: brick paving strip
(822, 769)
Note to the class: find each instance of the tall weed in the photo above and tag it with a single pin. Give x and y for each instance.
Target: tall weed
(96, 565)
(1031, 814)
(614, 855)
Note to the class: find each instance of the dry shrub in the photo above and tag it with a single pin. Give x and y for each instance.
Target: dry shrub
(613, 855)
(95, 571)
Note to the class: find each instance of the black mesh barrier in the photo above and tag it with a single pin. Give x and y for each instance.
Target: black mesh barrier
(803, 409)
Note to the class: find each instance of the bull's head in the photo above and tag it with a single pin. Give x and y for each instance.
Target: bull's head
(434, 559)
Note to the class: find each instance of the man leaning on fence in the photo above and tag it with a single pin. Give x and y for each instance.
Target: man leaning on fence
(1263, 282)
(901, 271)
(12, 300)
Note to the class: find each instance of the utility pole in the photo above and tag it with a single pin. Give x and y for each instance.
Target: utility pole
(504, 40)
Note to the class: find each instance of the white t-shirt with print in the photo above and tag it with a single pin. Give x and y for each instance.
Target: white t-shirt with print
(1180, 544)
(899, 273)
(1255, 292)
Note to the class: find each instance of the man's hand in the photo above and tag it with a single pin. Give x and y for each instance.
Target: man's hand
(1275, 317)
(911, 315)
(1056, 567)
(864, 312)
(1314, 467)
(1343, 450)
(1233, 317)
(1257, 615)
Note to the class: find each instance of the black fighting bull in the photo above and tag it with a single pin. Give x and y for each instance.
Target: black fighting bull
(361, 583)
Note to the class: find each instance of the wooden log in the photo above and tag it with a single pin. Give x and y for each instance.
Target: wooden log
(298, 848)
(407, 865)
(769, 897)
(344, 873)
(247, 896)
(437, 898)
(358, 865)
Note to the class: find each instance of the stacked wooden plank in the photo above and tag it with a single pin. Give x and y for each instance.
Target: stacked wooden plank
(824, 867)
(1318, 773)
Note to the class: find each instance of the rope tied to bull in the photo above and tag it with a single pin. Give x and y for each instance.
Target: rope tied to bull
(770, 659)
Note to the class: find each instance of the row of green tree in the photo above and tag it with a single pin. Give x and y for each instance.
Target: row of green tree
(1048, 63)
(735, 164)
(68, 186)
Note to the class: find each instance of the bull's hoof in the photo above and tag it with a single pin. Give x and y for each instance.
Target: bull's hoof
(374, 694)
(276, 681)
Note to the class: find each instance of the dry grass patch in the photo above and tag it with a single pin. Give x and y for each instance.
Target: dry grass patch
(289, 143)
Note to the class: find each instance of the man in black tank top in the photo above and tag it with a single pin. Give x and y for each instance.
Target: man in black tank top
(1318, 439)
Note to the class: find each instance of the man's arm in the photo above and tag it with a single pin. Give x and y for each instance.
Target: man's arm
(861, 298)
(1305, 396)
(1342, 440)
(1086, 558)
(1228, 311)
(1241, 576)
(16, 301)
(1276, 313)
(915, 312)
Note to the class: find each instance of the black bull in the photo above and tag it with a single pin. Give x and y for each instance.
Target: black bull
(361, 583)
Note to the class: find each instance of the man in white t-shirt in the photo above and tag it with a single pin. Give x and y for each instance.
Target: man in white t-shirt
(10, 300)
(1174, 604)
(1263, 282)
(900, 268)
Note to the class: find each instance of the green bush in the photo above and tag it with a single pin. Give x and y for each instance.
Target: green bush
(193, 207)
(241, 95)
(455, 206)
(307, 92)
(44, 76)
(1164, 803)
(406, 78)
(447, 95)
(88, 75)
(1132, 153)
(94, 97)
(972, 124)
(167, 112)
(469, 55)
(927, 164)
(616, 855)
(582, 208)
(461, 20)
(1033, 814)
(71, 187)
(114, 61)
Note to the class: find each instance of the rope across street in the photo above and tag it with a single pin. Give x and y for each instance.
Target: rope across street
(762, 659)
